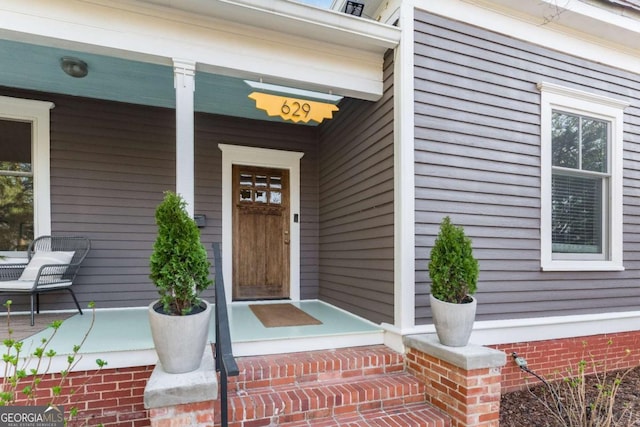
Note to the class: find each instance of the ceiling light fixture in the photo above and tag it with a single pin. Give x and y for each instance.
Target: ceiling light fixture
(74, 67)
(354, 8)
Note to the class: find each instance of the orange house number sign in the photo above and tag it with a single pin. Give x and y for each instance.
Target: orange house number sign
(294, 109)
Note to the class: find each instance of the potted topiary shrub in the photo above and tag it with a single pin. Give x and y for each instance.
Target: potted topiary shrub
(180, 270)
(454, 274)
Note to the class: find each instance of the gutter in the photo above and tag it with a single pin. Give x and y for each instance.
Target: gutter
(290, 17)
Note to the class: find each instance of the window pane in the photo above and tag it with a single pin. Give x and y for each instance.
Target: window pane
(16, 186)
(261, 197)
(246, 179)
(276, 182)
(275, 198)
(595, 134)
(245, 195)
(565, 140)
(16, 212)
(261, 181)
(576, 214)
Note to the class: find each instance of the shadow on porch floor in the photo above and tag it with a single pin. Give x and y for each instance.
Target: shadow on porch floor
(122, 336)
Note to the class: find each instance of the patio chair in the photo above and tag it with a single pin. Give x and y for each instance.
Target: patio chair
(53, 264)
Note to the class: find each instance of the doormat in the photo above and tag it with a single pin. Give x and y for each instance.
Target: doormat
(281, 315)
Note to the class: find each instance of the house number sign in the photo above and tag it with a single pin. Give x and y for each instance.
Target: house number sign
(294, 109)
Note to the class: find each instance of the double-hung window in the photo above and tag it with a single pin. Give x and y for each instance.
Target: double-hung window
(581, 182)
(24, 174)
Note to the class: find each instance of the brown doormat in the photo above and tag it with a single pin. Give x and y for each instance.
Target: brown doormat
(279, 315)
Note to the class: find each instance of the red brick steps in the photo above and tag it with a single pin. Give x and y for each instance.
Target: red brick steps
(361, 386)
(414, 415)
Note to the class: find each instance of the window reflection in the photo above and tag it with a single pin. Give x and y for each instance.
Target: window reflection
(276, 198)
(245, 195)
(261, 197)
(261, 181)
(246, 179)
(276, 182)
(16, 186)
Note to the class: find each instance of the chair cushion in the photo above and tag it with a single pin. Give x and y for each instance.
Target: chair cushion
(41, 258)
(27, 285)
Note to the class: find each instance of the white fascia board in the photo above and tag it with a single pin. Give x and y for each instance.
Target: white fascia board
(296, 18)
(153, 33)
(577, 28)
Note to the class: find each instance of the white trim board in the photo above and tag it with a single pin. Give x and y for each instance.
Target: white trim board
(510, 331)
(38, 114)
(268, 158)
(404, 177)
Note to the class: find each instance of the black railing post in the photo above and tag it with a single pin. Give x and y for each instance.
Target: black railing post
(225, 362)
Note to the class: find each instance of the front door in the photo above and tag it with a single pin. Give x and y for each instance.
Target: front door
(260, 233)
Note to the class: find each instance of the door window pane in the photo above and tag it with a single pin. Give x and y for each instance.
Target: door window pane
(261, 188)
(261, 181)
(261, 197)
(276, 182)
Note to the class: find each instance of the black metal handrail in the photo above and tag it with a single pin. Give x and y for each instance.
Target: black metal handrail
(225, 362)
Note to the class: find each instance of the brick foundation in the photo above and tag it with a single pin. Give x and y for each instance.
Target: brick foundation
(470, 395)
(464, 382)
(188, 399)
(200, 414)
(113, 397)
(551, 357)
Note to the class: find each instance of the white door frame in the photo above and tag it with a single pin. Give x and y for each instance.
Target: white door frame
(267, 158)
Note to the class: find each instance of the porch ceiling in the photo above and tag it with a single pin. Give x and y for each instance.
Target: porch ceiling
(129, 45)
(34, 67)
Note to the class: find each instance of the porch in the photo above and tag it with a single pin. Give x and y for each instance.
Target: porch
(122, 336)
(334, 373)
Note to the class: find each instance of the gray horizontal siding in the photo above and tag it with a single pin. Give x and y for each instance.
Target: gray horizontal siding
(111, 162)
(356, 206)
(477, 159)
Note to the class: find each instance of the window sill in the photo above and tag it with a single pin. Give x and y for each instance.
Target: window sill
(582, 266)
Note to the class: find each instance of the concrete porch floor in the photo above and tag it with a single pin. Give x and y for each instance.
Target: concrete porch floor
(122, 337)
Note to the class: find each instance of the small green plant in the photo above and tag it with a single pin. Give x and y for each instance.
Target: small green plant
(453, 269)
(179, 264)
(584, 395)
(24, 374)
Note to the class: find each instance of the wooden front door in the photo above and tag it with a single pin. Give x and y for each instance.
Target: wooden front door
(260, 233)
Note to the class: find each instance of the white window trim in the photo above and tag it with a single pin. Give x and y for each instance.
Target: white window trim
(261, 157)
(584, 103)
(38, 114)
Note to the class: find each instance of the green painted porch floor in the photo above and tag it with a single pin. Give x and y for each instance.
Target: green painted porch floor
(123, 337)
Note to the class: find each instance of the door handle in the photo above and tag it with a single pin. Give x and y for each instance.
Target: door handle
(286, 237)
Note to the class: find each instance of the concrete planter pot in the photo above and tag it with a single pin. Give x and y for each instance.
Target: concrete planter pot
(180, 340)
(453, 322)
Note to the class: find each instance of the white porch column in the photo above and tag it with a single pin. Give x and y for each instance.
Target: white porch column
(184, 82)
(404, 204)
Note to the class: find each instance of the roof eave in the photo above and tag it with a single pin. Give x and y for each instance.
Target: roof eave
(295, 19)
